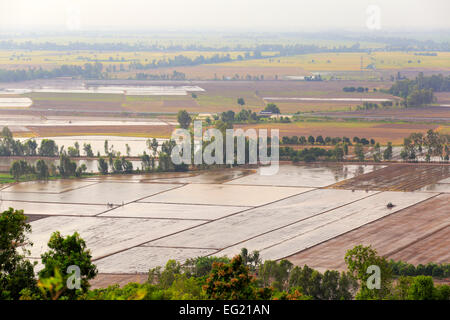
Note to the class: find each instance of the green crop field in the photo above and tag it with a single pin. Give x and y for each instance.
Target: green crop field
(351, 61)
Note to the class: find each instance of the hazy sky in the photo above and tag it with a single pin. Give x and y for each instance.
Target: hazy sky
(251, 15)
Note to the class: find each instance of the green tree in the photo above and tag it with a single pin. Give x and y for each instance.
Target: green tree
(223, 126)
(421, 288)
(387, 154)
(228, 116)
(146, 162)
(320, 140)
(80, 170)
(48, 148)
(154, 146)
(106, 147)
(6, 133)
(42, 171)
(252, 260)
(184, 119)
(241, 101)
(87, 148)
(20, 168)
(73, 152)
(346, 148)
(377, 152)
(118, 166)
(30, 147)
(16, 170)
(271, 107)
(16, 272)
(409, 151)
(358, 260)
(359, 152)
(232, 281)
(166, 277)
(66, 168)
(127, 166)
(338, 153)
(65, 252)
(202, 266)
(102, 166)
(276, 274)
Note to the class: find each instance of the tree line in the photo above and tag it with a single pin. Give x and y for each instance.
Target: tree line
(87, 71)
(431, 144)
(319, 140)
(181, 60)
(400, 268)
(283, 49)
(420, 91)
(338, 153)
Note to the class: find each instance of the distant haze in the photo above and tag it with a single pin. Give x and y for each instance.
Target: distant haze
(248, 15)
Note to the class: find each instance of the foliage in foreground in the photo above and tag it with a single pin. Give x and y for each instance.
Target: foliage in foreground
(244, 277)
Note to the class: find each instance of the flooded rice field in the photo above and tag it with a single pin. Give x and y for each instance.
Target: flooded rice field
(136, 145)
(15, 102)
(228, 195)
(50, 209)
(117, 193)
(417, 234)
(124, 90)
(55, 121)
(438, 187)
(307, 176)
(125, 146)
(401, 177)
(143, 258)
(136, 222)
(173, 211)
(320, 228)
(105, 236)
(91, 165)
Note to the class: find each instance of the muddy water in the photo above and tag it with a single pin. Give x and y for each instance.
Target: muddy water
(118, 144)
(55, 186)
(223, 194)
(95, 193)
(15, 102)
(306, 175)
(126, 90)
(215, 176)
(437, 187)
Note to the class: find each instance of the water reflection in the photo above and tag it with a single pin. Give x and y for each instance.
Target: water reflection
(91, 165)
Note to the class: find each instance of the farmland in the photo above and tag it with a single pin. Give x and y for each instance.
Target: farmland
(376, 65)
(51, 59)
(415, 235)
(352, 61)
(179, 215)
(397, 178)
(310, 211)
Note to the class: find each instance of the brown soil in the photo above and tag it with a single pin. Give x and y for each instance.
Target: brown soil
(103, 280)
(428, 113)
(397, 178)
(418, 234)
